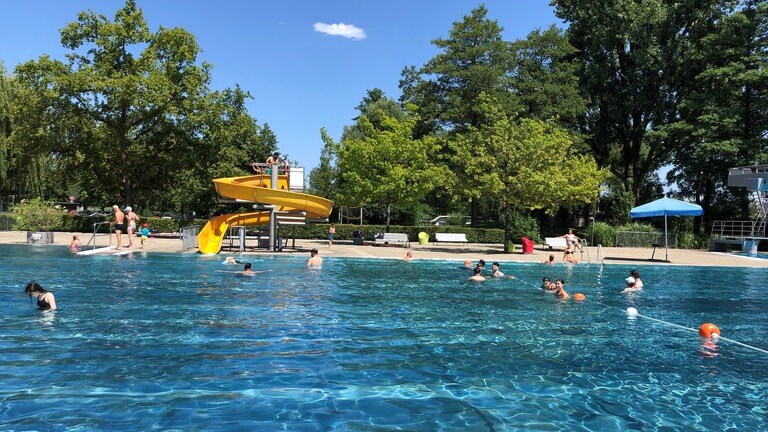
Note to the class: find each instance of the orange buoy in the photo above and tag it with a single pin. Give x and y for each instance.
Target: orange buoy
(707, 330)
(579, 296)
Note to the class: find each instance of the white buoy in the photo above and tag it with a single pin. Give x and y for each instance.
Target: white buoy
(631, 311)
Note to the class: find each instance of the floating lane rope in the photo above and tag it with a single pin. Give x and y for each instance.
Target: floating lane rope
(708, 329)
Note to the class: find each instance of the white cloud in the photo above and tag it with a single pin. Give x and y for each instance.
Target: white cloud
(340, 29)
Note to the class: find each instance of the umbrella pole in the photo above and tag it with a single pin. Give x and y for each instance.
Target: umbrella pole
(666, 238)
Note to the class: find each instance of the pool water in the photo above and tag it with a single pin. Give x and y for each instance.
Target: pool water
(168, 341)
(761, 255)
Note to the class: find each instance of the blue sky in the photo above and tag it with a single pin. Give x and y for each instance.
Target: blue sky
(304, 68)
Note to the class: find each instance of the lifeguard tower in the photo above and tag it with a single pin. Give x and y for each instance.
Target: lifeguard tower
(747, 234)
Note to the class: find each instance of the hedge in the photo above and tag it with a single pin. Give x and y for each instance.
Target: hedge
(345, 232)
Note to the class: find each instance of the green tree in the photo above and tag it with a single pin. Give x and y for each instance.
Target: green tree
(27, 168)
(323, 178)
(722, 123)
(528, 165)
(545, 78)
(231, 139)
(473, 60)
(387, 166)
(635, 67)
(125, 97)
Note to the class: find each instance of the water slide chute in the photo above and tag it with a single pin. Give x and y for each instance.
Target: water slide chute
(257, 189)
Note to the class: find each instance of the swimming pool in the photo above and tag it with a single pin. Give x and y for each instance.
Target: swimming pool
(167, 341)
(761, 255)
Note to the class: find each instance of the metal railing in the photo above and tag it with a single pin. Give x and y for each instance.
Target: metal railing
(189, 237)
(737, 229)
(96, 227)
(643, 239)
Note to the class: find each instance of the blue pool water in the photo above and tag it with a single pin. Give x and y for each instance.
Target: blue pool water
(761, 255)
(168, 341)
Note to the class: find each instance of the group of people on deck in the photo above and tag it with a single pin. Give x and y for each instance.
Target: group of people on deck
(272, 160)
(126, 222)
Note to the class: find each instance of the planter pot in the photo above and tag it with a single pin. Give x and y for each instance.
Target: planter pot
(39, 237)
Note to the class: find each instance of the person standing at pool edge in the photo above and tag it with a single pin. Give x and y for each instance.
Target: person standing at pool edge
(45, 299)
(571, 239)
(119, 225)
(144, 235)
(315, 260)
(331, 232)
(131, 225)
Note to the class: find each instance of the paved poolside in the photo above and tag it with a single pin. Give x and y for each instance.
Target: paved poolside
(458, 252)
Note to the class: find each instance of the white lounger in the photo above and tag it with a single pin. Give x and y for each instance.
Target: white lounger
(451, 238)
(555, 242)
(392, 238)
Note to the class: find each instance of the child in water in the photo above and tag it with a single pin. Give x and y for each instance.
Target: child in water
(75, 245)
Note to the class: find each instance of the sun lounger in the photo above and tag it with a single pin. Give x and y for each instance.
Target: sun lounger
(555, 242)
(392, 238)
(451, 238)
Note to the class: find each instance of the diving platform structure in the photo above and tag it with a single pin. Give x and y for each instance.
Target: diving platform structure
(748, 234)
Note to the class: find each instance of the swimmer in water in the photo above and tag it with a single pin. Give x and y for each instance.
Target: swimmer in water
(231, 261)
(477, 276)
(496, 271)
(633, 282)
(315, 260)
(75, 245)
(45, 299)
(547, 285)
(408, 256)
(560, 289)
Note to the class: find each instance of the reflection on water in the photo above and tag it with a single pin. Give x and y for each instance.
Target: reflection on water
(165, 341)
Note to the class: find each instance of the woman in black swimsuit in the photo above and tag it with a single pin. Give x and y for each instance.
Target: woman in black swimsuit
(45, 299)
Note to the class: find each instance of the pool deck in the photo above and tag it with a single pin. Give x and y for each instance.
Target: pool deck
(457, 252)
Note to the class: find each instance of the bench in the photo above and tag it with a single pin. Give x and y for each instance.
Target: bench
(556, 242)
(451, 238)
(392, 238)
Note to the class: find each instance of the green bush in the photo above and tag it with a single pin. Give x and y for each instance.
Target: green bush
(36, 215)
(345, 232)
(688, 240)
(6, 221)
(600, 233)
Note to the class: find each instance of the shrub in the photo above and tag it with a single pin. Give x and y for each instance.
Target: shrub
(345, 232)
(600, 233)
(36, 215)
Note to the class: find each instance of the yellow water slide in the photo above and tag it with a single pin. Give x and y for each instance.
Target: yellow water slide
(257, 189)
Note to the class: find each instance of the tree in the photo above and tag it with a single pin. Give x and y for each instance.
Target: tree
(474, 60)
(323, 178)
(231, 139)
(723, 123)
(635, 68)
(125, 97)
(27, 168)
(545, 78)
(527, 165)
(387, 165)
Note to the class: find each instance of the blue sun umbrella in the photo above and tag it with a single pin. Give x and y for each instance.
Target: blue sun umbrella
(666, 207)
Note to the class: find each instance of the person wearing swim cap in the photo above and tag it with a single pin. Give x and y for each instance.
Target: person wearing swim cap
(633, 282)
